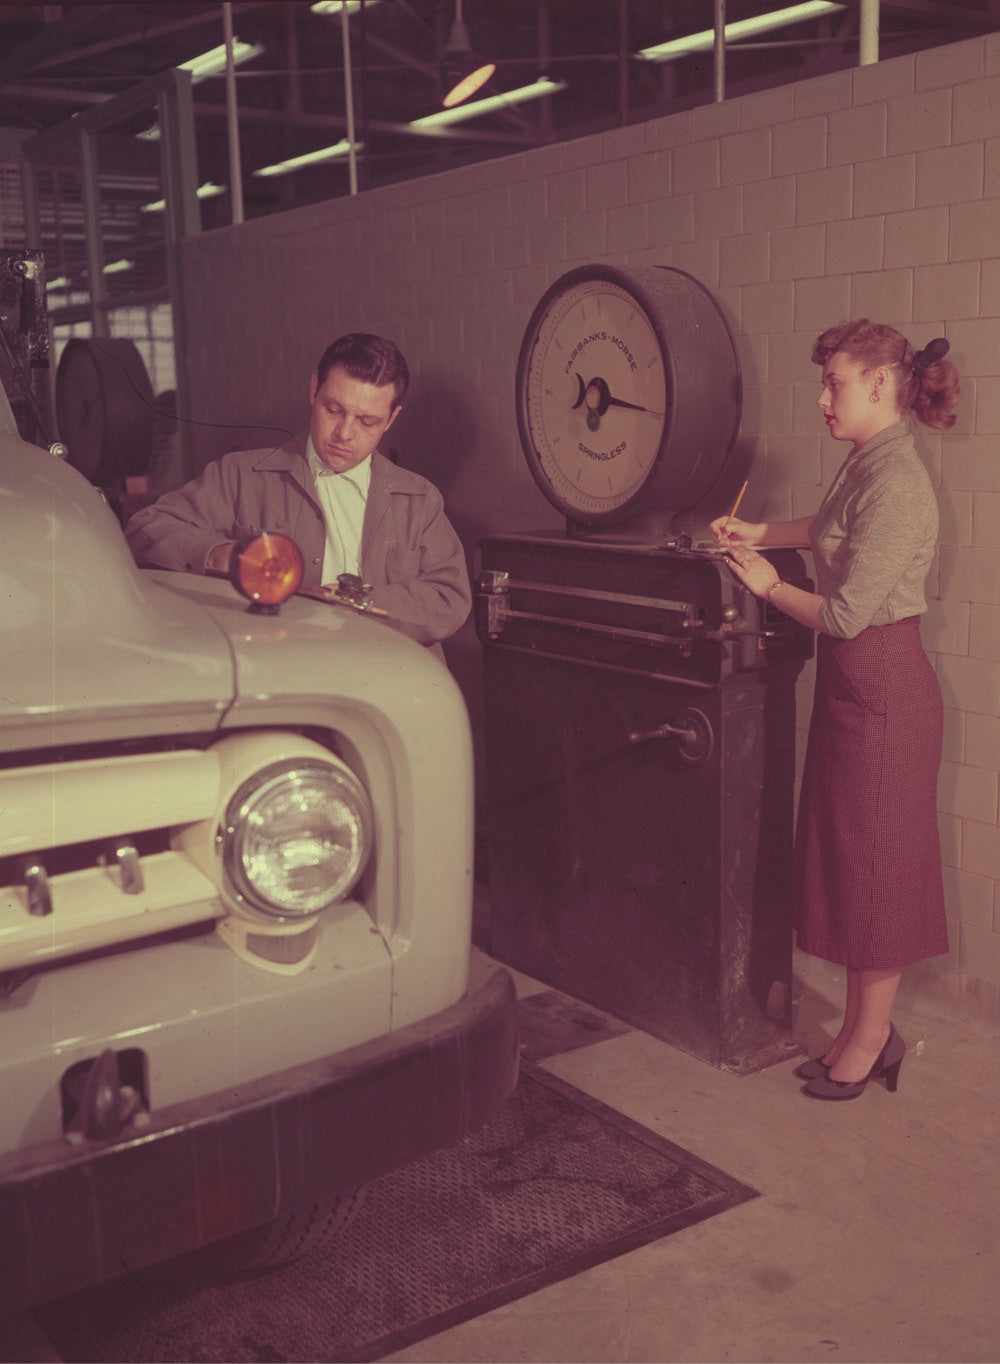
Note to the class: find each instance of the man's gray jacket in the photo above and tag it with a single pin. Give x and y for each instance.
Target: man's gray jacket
(410, 553)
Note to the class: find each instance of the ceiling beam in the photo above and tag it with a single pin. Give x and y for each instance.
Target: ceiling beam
(942, 9)
(135, 37)
(57, 93)
(400, 55)
(25, 55)
(326, 122)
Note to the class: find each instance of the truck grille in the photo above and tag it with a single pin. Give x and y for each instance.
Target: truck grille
(85, 852)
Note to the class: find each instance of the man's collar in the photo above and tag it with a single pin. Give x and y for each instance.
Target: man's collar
(360, 475)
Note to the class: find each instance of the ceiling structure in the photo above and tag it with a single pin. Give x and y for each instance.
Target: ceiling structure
(57, 61)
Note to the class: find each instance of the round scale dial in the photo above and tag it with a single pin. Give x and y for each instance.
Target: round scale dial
(596, 397)
(628, 392)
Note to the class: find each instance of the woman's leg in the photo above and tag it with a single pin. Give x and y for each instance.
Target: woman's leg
(838, 1044)
(874, 995)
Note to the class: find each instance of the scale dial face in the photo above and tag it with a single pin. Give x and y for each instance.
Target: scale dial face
(593, 395)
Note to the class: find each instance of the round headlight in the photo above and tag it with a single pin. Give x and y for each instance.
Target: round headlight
(297, 836)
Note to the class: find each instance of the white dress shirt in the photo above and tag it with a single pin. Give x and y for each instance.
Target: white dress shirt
(342, 498)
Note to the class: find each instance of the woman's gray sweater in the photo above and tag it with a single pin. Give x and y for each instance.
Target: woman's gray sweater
(873, 536)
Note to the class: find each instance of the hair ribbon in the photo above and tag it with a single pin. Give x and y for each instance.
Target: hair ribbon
(934, 350)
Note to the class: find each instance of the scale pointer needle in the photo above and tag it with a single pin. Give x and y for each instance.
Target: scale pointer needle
(598, 398)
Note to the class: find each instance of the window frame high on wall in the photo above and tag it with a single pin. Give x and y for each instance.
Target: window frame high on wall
(75, 146)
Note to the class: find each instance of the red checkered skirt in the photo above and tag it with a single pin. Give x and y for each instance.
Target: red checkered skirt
(868, 889)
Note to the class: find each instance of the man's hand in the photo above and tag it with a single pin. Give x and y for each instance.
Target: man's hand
(217, 559)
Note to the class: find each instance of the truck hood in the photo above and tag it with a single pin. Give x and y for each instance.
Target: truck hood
(95, 650)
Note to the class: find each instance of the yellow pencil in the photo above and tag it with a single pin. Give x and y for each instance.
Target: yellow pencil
(736, 506)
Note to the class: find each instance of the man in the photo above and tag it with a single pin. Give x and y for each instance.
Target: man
(349, 509)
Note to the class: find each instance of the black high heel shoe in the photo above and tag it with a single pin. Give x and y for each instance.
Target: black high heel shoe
(886, 1067)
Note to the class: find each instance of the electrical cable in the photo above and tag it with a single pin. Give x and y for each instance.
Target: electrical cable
(195, 421)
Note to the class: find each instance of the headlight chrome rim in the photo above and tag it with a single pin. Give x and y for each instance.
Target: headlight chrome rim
(317, 783)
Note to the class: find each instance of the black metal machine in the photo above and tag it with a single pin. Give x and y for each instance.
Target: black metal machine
(640, 703)
(640, 738)
(24, 339)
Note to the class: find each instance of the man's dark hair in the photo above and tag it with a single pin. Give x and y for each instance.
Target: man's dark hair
(372, 359)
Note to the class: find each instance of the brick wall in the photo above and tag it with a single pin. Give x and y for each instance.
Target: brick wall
(874, 191)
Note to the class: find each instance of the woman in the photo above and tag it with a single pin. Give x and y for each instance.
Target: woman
(869, 894)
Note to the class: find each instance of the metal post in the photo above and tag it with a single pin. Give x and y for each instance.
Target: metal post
(543, 46)
(869, 32)
(33, 241)
(366, 165)
(182, 219)
(720, 51)
(232, 120)
(352, 156)
(91, 193)
(624, 57)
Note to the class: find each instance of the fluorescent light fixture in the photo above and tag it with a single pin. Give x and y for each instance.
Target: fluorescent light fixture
(151, 134)
(209, 190)
(118, 267)
(334, 7)
(742, 28)
(294, 163)
(213, 62)
(60, 282)
(540, 88)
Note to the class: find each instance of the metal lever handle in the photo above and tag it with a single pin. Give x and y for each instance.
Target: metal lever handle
(693, 732)
(639, 736)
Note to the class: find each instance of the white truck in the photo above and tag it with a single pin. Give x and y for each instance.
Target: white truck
(235, 943)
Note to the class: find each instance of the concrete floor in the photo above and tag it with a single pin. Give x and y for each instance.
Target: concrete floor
(876, 1236)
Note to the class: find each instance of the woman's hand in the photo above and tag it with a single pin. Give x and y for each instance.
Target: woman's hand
(730, 533)
(752, 569)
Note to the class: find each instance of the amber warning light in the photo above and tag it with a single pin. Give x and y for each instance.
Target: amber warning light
(267, 569)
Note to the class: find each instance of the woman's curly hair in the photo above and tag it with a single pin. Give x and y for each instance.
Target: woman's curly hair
(926, 385)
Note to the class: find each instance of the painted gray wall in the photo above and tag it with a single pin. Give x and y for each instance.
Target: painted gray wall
(868, 192)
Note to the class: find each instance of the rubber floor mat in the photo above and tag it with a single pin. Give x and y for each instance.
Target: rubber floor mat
(556, 1183)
